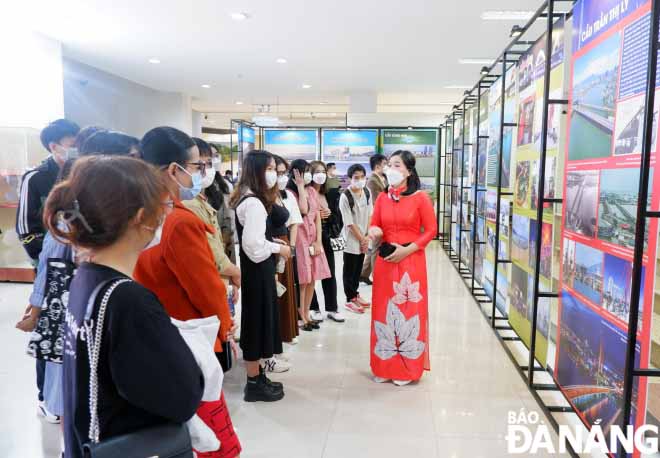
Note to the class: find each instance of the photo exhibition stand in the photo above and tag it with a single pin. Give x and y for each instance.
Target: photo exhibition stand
(538, 378)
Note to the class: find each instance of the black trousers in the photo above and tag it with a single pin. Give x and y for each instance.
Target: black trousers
(352, 270)
(329, 284)
(41, 375)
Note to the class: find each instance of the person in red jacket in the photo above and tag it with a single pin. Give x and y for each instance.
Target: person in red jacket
(179, 268)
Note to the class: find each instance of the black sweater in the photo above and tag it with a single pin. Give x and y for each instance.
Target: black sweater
(147, 373)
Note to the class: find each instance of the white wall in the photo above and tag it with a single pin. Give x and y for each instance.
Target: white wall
(30, 79)
(95, 97)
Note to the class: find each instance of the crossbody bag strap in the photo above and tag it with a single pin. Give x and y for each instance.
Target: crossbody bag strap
(94, 350)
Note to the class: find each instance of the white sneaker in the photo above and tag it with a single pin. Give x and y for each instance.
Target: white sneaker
(401, 382)
(336, 316)
(49, 417)
(282, 357)
(275, 365)
(294, 341)
(316, 315)
(380, 379)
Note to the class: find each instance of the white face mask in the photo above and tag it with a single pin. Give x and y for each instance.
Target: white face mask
(394, 177)
(307, 177)
(358, 183)
(319, 178)
(158, 232)
(209, 178)
(271, 178)
(216, 163)
(282, 182)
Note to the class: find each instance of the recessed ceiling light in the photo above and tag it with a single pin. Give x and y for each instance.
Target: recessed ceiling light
(306, 86)
(280, 60)
(239, 16)
(516, 31)
(323, 103)
(503, 15)
(238, 102)
(459, 86)
(153, 60)
(468, 61)
(485, 71)
(206, 86)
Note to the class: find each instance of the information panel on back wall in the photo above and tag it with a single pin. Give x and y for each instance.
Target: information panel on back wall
(525, 226)
(423, 144)
(603, 148)
(292, 144)
(347, 147)
(495, 100)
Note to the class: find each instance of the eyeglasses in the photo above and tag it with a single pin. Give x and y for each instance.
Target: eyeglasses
(201, 166)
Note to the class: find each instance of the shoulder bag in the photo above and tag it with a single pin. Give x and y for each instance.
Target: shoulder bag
(168, 440)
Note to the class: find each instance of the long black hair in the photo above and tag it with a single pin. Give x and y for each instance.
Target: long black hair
(253, 178)
(279, 160)
(301, 166)
(414, 183)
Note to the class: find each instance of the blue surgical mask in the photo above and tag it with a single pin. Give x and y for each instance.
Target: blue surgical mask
(190, 193)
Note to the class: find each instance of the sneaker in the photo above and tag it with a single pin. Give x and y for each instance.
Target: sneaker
(275, 365)
(401, 382)
(354, 307)
(282, 357)
(259, 390)
(42, 411)
(380, 379)
(362, 302)
(294, 341)
(366, 281)
(316, 316)
(336, 317)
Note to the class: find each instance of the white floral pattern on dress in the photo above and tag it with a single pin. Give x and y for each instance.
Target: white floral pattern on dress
(406, 291)
(398, 336)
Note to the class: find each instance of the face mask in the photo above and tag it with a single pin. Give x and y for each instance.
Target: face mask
(282, 182)
(307, 177)
(359, 184)
(216, 163)
(65, 153)
(319, 178)
(158, 232)
(271, 178)
(190, 193)
(209, 178)
(394, 177)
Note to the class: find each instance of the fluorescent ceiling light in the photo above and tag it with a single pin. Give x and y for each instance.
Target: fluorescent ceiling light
(153, 60)
(206, 86)
(239, 16)
(280, 60)
(459, 86)
(503, 15)
(468, 61)
(238, 102)
(306, 86)
(323, 103)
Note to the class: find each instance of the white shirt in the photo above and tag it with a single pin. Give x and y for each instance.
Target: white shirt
(254, 242)
(291, 204)
(359, 216)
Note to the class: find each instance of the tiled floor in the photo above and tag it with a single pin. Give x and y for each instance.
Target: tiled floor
(332, 409)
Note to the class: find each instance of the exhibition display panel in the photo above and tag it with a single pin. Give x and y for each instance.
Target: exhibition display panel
(559, 146)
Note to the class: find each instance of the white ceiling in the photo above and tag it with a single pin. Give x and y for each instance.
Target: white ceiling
(339, 47)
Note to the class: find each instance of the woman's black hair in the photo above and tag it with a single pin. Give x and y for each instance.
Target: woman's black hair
(109, 143)
(414, 183)
(279, 160)
(163, 145)
(301, 166)
(253, 178)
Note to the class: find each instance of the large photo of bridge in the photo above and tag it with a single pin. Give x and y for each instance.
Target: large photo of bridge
(617, 206)
(595, 78)
(590, 366)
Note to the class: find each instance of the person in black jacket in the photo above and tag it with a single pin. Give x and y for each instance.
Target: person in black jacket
(59, 138)
(114, 207)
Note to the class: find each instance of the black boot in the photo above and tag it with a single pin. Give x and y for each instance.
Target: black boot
(262, 374)
(256, 389)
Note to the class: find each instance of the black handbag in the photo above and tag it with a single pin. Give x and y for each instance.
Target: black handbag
(168, 440)
(47, 339)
